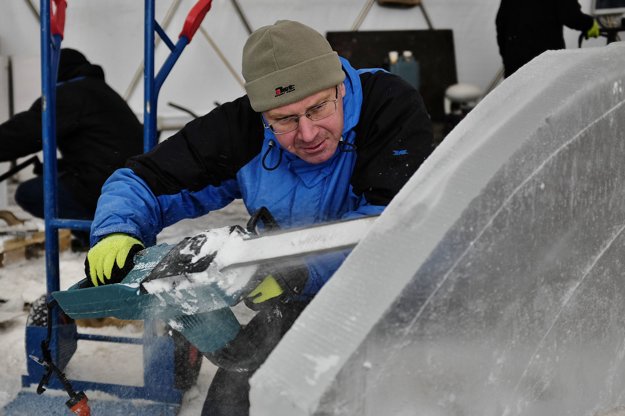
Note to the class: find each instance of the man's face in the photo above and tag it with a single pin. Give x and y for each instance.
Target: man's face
(312, 141)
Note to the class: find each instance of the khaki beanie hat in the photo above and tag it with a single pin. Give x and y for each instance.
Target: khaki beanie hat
(286, 62)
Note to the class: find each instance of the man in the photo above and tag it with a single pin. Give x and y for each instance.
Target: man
(96, 133)
(525, 29)
(313, 140)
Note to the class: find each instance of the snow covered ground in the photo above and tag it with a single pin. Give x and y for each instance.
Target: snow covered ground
(23, 281)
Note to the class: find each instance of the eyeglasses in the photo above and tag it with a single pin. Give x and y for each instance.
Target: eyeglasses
(315, 113)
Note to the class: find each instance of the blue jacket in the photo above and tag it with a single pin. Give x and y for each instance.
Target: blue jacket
(218, 158)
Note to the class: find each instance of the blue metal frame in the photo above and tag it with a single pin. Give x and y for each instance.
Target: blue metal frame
(158, 351)
(153, 85)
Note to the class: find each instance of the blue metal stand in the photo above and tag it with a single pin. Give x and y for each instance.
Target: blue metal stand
(152, 84)
(158, 351)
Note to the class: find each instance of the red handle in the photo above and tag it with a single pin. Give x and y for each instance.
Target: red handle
(194, 18)
(57, 16)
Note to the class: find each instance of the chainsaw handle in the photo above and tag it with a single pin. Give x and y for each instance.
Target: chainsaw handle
(262, 214)
(194, 19)
(57, 17)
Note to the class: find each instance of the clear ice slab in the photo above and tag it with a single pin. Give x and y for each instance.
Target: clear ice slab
(493, 284)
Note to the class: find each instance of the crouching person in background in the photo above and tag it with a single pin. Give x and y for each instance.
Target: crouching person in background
(96, 132)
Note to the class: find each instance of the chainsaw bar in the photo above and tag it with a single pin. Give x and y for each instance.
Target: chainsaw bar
(206, 272)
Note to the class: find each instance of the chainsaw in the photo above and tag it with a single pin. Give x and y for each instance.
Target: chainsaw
(192, 285)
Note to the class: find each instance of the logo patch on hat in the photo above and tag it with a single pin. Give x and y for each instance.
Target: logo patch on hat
(284, 90)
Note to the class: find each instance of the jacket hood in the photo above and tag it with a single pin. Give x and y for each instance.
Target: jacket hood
(73, 64)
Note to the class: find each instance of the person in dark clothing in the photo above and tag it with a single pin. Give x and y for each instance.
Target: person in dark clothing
(314, 140)
(96, 133)
(525, 29)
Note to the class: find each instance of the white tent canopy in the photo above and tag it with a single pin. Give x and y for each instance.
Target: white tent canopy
(110, 33)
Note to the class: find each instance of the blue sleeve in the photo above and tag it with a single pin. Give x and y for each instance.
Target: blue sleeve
(127, 205)
(322, 267)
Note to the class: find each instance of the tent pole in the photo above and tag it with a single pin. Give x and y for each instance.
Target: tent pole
(221, 56)
(426, 16)
(362, 15)
(244, 20)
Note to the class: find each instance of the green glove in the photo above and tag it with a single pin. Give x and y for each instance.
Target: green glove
(594, 31)
(277, 288)
(110, 260)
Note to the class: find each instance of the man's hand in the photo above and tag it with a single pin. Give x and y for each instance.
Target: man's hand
(277, 288)
(110, 260)
(594, 31)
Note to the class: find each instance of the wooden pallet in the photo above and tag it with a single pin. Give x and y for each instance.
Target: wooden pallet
(29, 245)
(110, 321)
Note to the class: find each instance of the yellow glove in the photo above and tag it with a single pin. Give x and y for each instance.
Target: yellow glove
(277, 288)
(110, 260)
(594, 31)
(269, 288)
